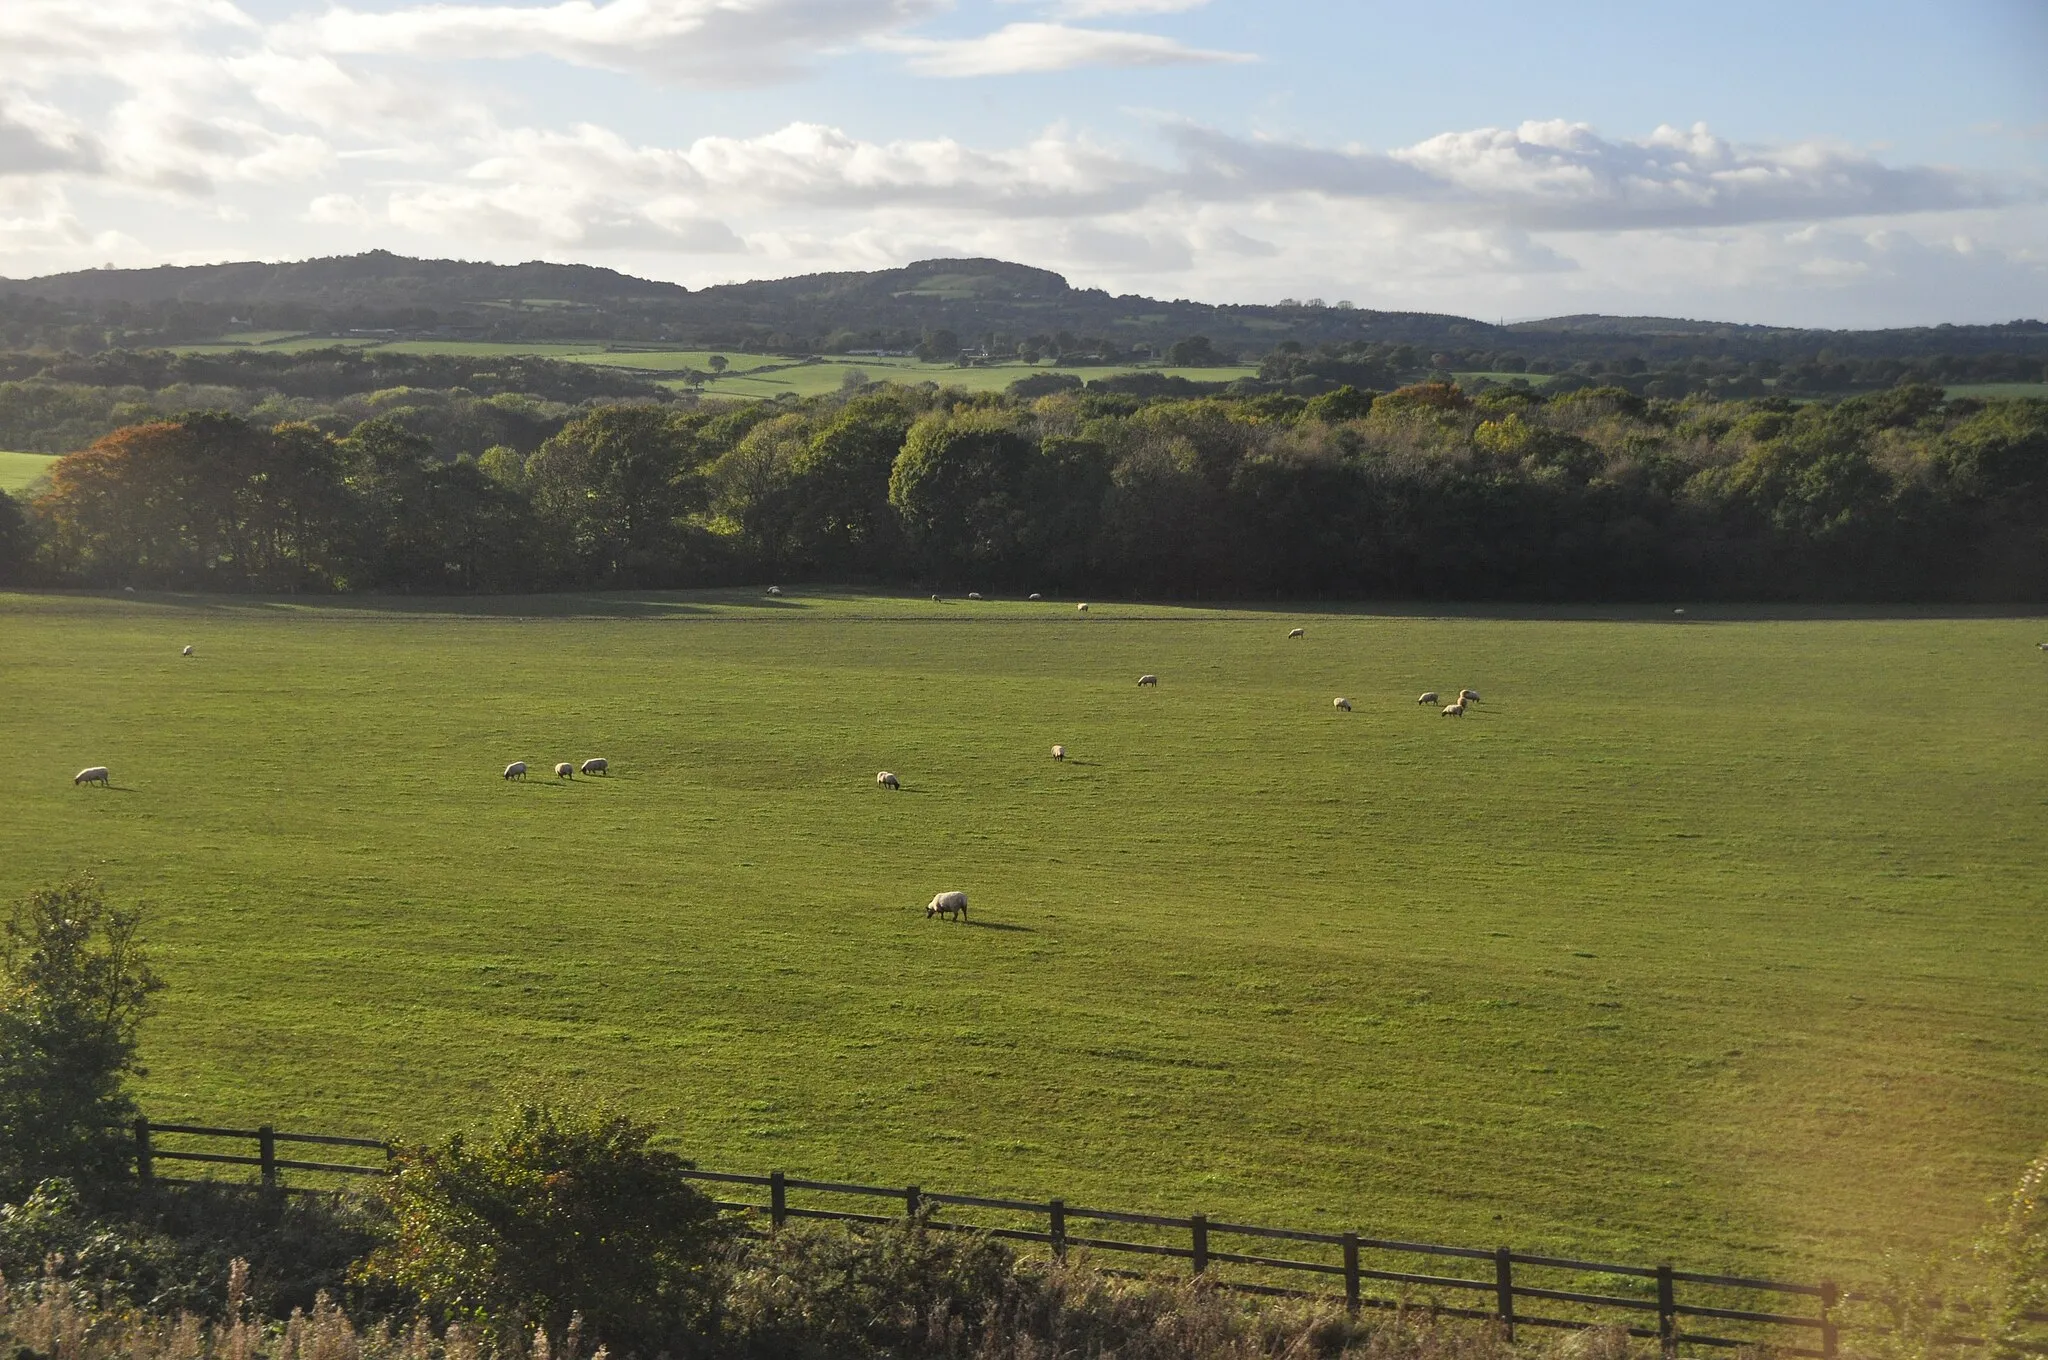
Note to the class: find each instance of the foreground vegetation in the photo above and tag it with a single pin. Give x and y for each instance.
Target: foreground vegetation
(1423, 491)
(1709, 938)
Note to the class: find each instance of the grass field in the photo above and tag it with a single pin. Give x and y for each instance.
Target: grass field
(19, 470)
(1718, 939)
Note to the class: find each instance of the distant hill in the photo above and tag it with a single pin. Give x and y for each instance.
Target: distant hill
(978, 300)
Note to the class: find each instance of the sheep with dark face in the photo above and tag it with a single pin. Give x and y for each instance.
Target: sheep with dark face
(1468, 696)
(1429, 696)
(597, 765)
(775, 590)
(888, 781)
(1059, 753)
(1080, 609)
(93, 774)
(565, 771)
(1148, 680)
(1036, 596)
(1456, 710)
(1298, 633)
(187, 651)
(516, 770)
(1341, 705)
(951, 905)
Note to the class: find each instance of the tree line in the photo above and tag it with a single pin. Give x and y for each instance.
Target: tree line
(1425, 491)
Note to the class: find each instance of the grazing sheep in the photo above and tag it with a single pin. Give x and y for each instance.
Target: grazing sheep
(1468, 696)
(888, 781)
(565, 771)
(1148, 680)
(951, 905)
(775, 590)
(1429, 696)
(127, 590)
(516, 770)
(1678, 611)
(973, 594)
(937, 600)
(1036, 596)
(1080, 609)
(1299, 633)
(1456, 710)
(1059, 753)
(1342, 705)
(93, 774)
(597, 765)
(187, 651)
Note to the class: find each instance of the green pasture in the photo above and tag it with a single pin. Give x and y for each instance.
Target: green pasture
(18, 471)
(1998, 391)
(1707, 938)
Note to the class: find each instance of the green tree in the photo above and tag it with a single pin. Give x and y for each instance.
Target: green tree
(961, 488)
(555, 1211)
(614, 486)
(75, 986)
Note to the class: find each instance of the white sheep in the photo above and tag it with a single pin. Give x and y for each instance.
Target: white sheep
(1059, 753)
(597, 765)
(1429, 696)
(1456, 710)
(1678, 611)
(187, 651)
(1299, 633)
(1468, 696)
(1342, 705)
(937, 600)
(565, 771)
(516, 770)
(951, 905)
(888, 781)
(1036, 596)
(1148, 679)
(973, 594)
(1080, 609)
(93, 774)
(775, 590)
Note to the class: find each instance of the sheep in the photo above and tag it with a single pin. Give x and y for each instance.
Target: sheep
(973, 594)
(1342, 705)
(1678, 611)
(565, 771)
(1456, 710)
(1036, 596)
(1468, 696)
(775, 590)
(1148, 680)
(93, 774)
(187, 651)
(1059, 753)
(597, 765)
(888, 781)
(1429, 696)
(951, 905)
(937, 600)
(1299, 633)
(1080, 609)
(516, 770)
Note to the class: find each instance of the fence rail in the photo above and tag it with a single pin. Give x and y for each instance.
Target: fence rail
(1192, 1239)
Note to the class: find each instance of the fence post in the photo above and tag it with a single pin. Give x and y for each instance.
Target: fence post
(1504, 1290)
(1199, 1227)
(778, 1200)
(1056, 1211)
(1351, 1301)
(145, 1160)
(1667, 1313)
(912, 1202)
(266, 1151)
(1830, 1333)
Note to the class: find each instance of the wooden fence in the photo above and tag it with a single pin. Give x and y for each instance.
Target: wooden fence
(1506, 1286)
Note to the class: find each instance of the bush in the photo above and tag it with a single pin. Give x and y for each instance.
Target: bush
(555, 1212)
(75, 986)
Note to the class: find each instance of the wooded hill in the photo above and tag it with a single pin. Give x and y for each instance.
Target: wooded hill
(983, 302)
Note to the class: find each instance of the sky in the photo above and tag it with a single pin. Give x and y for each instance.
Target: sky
(1877, 163)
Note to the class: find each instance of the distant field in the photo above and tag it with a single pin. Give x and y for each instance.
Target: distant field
(1998, 391)
(18, 470)
(1715, 940)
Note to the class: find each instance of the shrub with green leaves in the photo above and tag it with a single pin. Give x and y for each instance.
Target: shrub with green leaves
(553, 1212)
(75, 986)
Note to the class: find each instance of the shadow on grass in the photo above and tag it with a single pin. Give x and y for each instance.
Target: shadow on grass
(1001, 925)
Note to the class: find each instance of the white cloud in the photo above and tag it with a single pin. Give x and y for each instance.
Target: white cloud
(1018, 48)
(704, 42)
(1101, 9)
